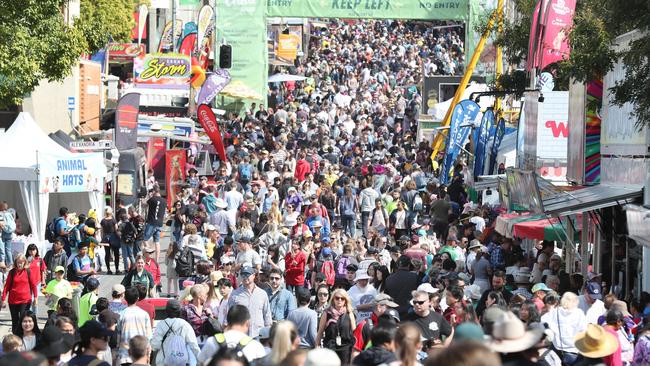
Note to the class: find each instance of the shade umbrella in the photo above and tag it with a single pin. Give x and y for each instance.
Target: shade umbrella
(279, 78)
(237, 89)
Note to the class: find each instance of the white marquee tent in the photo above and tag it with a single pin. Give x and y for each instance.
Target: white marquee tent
(20, 146)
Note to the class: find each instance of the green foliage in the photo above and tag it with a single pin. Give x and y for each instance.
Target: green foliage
(596, 25)
(104, 19)
(35, 44)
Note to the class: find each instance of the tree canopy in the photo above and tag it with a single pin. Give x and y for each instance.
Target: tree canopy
(36, 43)
(597, 23)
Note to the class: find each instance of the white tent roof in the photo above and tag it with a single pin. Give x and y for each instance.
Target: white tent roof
(439, 110)
(277, 78)
(19, 145)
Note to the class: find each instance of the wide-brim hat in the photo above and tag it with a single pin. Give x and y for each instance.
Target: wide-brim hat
(509, 335)
(595, 342)
(361, 275)
(522, 275)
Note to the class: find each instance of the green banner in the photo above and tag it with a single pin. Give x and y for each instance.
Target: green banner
(373, 9)
(242, 24)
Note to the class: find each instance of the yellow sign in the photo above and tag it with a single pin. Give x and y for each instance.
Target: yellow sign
(125, 184)
(287, 46)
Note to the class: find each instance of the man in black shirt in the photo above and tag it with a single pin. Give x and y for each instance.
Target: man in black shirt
(156, 209)
(433, 326)
(498, 283)
(400, 284)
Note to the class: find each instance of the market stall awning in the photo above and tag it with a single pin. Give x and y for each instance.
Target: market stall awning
(590, 198)
(552, 229)
(279, 78)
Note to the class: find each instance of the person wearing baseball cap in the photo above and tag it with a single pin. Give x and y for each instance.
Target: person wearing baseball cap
(590, 302)
(57, 288)
(94, 338)
(381, 302)
(254, 298)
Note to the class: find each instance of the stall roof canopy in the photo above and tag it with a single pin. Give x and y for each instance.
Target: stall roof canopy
(590, 198)
(19, 146)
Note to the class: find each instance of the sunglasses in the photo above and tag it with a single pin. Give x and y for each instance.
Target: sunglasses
(339, 298)
(323, 294)
(419, 302)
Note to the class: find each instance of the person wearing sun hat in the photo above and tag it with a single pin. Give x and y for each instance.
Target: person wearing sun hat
(362, 295)
(595, 345)
(510, 339)
(539, 291)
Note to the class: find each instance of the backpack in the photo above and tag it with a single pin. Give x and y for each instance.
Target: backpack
(175, 350)
(10, 223)
(78, 234)
(245, 172)
(71, 274)
(184, 262)
(327, 268)
(341, 267)
(50, 231)
(239, 347)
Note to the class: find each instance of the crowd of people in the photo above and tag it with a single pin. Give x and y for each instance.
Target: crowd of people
(325, 239)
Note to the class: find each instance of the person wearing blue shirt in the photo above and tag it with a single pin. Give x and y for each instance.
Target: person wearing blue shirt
(281, 300)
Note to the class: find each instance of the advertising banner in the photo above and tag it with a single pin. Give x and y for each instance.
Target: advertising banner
(209, 123)
(212, 86)
(124, 51)
(462, 119)
(156, 148)
(175, 161)
(558, 18)
(287, 47)
(80, 172)
(498, 137)
(375, 9)
(206, 15)
(534, 35)
(126, 122)
(273, 35)
(243, 25)
(165, 44)
(480, 141)
(143, 12)
(157, 70)
(593, 123)
(188, 45)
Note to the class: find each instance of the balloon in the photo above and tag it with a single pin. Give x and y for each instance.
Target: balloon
(198, 76)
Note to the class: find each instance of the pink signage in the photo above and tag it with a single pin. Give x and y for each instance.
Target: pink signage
(558, 18)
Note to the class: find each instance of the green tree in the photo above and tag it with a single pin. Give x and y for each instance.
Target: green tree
(35, 44)
(102, 20)
(596, 25)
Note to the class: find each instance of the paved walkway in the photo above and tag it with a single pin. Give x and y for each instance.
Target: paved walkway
(106, 284)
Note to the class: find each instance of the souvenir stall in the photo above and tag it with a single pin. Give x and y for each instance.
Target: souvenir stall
(38, 176)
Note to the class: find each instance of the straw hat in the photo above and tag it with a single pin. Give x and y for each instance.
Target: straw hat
(620, 306)
(509, 335)
(595, 342)
(361, 275)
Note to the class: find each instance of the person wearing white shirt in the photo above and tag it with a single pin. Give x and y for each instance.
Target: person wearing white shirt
(590, 302)
(362, 295)
(234, 198)
(236, 334)
(176, 325)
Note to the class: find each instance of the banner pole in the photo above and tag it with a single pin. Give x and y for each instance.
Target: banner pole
(440, 137)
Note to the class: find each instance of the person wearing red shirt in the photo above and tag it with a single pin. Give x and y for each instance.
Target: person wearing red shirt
(295, 261)
(20, 289)
(144, 304)
(152, 266)
(302, 167)
(37, 268)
